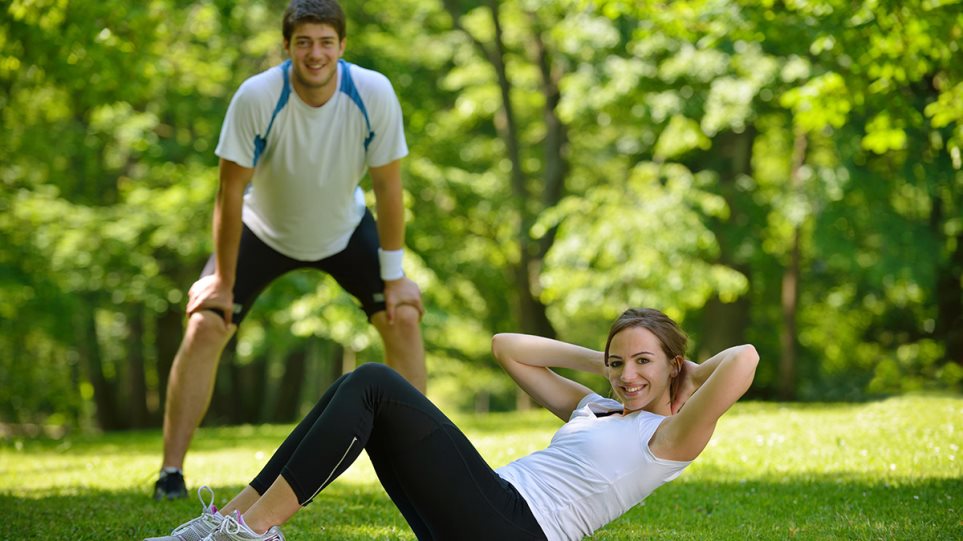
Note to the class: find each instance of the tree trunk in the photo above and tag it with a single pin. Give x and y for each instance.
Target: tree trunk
(790, 284)
(325, 364)
(949, 304)
(226, 404)
(255, 389)
(787, 334)
(525, 272)
(724, 323)
(245, 390)
(349, 360)
(531, 311)
(169, 331)
(288, 401)
(135, 394)
(90, 352)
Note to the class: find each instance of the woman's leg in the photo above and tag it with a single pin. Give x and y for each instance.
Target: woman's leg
(272, 470)
(440, 483)
(273, 508)
(241, 502)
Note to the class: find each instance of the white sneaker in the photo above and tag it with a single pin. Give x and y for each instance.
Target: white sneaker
(197, 528)
(232, 528)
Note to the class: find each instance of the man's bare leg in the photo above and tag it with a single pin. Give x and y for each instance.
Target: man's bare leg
(191, 383)
(404, 348)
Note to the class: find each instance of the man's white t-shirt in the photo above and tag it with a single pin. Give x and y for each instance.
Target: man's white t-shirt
(594, 470)
(305, 200)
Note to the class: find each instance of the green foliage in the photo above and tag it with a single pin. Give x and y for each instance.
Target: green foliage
(677, 127)
(637, 244)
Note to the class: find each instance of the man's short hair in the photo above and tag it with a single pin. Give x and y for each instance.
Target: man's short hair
(312, 11)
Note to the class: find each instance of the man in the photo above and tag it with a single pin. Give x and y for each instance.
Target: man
(295, 144)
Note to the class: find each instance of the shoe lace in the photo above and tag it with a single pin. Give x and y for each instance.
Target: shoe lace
(208, 516)
(231, 525)
(206, 506)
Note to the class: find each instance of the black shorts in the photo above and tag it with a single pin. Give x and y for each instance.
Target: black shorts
(356, 268)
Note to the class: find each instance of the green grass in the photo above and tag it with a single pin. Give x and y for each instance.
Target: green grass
(882, 470)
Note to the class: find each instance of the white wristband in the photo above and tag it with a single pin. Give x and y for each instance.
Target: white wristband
(390, 261)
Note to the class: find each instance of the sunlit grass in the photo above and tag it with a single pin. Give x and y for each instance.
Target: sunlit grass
(881, 470)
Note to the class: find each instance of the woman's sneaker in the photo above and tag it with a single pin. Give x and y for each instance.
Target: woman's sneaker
(197, 528)
(232, 528)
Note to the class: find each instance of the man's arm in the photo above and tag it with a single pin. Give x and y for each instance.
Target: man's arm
(389, 204)
(216, 291)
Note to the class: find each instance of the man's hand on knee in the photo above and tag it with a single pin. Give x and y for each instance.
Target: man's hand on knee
(210, 293)
(402, 292)
(210, 323)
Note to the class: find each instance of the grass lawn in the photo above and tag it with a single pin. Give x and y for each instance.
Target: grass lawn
(881, 470)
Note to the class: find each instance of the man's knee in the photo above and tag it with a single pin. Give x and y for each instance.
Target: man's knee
(407, 316)
(406, 322)
(208, 327)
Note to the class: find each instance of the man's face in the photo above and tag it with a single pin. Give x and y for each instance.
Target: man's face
(315, 49)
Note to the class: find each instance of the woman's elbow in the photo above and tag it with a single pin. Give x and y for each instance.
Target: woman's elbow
(750, 354)
(498, 347)
(749, 358)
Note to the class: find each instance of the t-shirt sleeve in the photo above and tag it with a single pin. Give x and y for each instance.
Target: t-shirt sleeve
(387, 122)
(591, 397)
(240, 128)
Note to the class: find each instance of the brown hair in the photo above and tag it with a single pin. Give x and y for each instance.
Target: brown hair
(313, 11)
(670, 335)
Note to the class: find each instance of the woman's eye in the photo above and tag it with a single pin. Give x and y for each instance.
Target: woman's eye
(615, 364)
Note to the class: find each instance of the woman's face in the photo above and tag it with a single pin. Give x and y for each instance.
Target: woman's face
(639, 371)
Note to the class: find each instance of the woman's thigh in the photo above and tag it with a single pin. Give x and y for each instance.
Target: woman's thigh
(438, 480)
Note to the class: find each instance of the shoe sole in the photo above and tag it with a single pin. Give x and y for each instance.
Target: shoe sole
(160, 495)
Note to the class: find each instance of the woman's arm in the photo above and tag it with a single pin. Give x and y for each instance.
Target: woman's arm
(527, 360)
(709, 390)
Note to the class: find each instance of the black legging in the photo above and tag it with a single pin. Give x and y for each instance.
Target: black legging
(434, 475)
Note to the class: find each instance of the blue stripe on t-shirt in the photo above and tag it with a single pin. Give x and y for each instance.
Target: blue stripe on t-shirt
(261, 142)
(348, 87)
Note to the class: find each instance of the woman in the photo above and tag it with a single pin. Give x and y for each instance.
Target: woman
(608, 456)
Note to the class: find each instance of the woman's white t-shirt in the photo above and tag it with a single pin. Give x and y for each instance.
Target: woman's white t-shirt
(304, 200)
(593, 471)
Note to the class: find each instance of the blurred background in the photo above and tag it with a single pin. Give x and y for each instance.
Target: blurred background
(785, 173)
